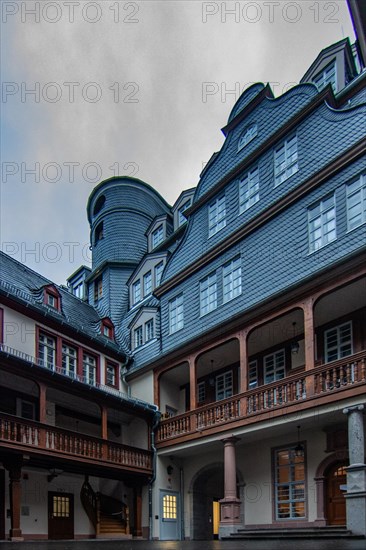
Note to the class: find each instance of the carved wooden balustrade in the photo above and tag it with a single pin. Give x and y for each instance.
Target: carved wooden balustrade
(19, 433)
(307, 387)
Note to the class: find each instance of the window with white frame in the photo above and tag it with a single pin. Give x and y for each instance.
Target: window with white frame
(249, 190)
(176, 320)
(98, 288)
(274, 366)
(208, 294)
(216, 216)
(248, 135)
(327, 76)
(322, 223)
(231, 279)
(110, 375)
(47, 351)
(224, 385)
(138, 337)
(136, 292)
(158, 273)
(356, 202)
(149, 330)
(181, 217)
(285, 160)
(147, 283)
(89, 369)
(201, 391)
(289, 469)
(338, 342)
(69, 360)
(252, 374)
(157, 236)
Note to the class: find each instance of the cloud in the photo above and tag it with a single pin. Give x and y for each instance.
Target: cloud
(136, 105)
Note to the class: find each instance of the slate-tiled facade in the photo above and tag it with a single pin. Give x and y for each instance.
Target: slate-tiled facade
(201, 375)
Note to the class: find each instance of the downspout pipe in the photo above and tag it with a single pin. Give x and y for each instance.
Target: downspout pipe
(153, 478)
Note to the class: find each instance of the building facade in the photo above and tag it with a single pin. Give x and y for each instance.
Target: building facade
(206, 376)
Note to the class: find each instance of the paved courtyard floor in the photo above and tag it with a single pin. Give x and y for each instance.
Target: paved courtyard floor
(279, 544)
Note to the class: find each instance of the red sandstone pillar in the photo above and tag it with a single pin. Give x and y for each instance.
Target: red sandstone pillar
(230, 504)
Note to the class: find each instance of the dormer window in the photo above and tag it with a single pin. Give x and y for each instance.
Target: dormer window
(107, 328)
(136, 292)
(158, 273)
(147, 283)
(99, 233)
(52, 298)
(157, 236)
(249, 134)
(327, 76)
(181, 217)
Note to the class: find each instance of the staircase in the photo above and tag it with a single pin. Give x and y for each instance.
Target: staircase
(331, 532)
(109, 516)
(111, 527)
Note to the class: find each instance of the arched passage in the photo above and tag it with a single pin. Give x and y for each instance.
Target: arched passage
(207, 487)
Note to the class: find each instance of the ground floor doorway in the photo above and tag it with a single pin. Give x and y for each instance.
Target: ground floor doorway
(60, 516)
(336, 480)
(169, 515)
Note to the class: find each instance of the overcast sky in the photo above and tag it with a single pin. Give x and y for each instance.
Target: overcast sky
(140, 88)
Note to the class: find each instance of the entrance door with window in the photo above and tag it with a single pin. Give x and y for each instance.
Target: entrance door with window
(336, 503)
(60, 516)
(169, 515)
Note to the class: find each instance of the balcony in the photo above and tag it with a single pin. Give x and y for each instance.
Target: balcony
(34, 438)
(323, 384)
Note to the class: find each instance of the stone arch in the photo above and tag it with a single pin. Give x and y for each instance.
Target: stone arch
(320, 480)
(206, 485)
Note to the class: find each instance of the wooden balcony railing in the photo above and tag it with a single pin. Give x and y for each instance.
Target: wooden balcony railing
(293, 390)
(18, 432)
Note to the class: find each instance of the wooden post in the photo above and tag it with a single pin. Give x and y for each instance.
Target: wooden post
(192, 389)
(308, 309)
(42, 402)
(137, 510)
(243, 369)
(15, 472)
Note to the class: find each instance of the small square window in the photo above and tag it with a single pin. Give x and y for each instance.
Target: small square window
(149, 330)
(249, 190)
(111, 375)
(208, 294)
(157, 236)
(176, 320)
(98, 289)
(285, 160)
(158, 273)
(216, 216)
(356, 202)
(138, 337)
(322, 223)
(147, 283)
(136, 292)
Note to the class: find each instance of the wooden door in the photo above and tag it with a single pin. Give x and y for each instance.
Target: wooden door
(336, 503)
(60, 516)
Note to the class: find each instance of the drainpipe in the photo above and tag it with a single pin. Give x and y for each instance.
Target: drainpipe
(124, 373)
(153, 478)
(181, 479)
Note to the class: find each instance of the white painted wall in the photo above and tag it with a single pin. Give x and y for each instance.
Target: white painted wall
(19, 331)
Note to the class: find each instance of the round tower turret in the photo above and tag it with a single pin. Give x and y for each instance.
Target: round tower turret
(120, 210)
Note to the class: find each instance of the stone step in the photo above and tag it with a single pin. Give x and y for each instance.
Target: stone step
(310, 533)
